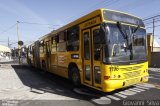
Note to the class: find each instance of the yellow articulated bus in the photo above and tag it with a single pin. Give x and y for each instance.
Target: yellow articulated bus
(105, 50)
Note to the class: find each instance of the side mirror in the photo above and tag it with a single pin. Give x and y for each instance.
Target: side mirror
(102, 33)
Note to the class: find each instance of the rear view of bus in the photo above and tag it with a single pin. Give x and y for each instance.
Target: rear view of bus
(124, 51)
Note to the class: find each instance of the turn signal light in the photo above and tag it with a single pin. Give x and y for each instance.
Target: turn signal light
(106, 77)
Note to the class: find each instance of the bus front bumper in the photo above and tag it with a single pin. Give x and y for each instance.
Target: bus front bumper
(111, 85)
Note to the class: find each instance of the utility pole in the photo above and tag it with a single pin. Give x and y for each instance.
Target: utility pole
(8, 43)
(19, 47)
(153, 33)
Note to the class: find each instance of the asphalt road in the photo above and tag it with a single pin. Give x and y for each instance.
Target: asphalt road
(45, 89)
(154, 74)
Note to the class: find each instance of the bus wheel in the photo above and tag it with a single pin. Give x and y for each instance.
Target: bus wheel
(75, 76)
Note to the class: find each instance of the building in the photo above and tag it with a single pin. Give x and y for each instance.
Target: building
(5, 52)
(153, 51)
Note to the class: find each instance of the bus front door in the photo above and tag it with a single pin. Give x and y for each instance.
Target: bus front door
(91, 57)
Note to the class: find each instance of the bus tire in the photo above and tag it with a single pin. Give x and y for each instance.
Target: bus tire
(75, 76)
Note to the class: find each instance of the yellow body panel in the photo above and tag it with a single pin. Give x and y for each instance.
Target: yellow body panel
(129, 75)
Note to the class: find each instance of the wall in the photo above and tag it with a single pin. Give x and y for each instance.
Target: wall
(155, 60)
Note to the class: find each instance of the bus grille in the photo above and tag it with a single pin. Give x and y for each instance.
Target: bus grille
(132, 68)
(131, 74)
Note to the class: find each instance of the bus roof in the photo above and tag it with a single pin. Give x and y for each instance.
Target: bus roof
(120, 12)
(81, 19)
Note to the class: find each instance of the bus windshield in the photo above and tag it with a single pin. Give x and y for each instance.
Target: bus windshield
(132, 47)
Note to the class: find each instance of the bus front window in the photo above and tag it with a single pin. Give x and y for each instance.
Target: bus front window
(125, 46)
(139, 44)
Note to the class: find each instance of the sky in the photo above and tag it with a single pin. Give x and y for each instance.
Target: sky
(39, 17)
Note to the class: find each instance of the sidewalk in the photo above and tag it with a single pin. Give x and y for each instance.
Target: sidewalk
(22, 84)
(9, 79)
(12, 87)
(4, 61)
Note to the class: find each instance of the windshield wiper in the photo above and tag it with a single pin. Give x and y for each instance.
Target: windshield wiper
(135, 30)
(121, 30)
(124, 34)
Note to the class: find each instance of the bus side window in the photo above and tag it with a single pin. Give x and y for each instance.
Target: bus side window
(33, 51)
(54, 44)
(30, 49)
(73, 39)
(86, 46)
(42, 46)
(97, 43)
(61, 45)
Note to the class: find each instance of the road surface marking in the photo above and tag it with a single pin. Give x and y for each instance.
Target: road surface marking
(127, 92)
(102, 101)
(120, 95)
(134, 90)
(154, 70)
(139, 89)
(154, 74)
(112, 97)
(142, 87)
(154, 78)
(157, 86)
(146, 85)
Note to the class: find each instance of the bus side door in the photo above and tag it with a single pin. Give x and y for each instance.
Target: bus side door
(91, 57)
(87, 64)
(96, 56)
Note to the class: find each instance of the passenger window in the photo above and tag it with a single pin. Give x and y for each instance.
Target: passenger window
(73, 39)
(86, 46)
(54, 44)
(42, 46)
(61, 37)
(61, 45)
(97, 44)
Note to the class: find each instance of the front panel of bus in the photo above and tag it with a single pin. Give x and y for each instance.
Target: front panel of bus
(124, 52)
